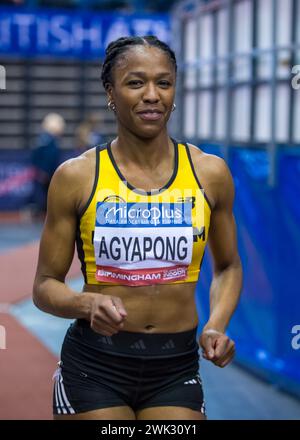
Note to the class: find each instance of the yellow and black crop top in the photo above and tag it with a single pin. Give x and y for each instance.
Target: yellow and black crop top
(127, 236)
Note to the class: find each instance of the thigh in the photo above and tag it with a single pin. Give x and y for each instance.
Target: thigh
(113, 413)
(174, 391)
(169, 413)
(92, 384)
(82, 398)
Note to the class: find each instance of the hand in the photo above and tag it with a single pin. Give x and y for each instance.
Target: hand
(217, 347)
(107, 314)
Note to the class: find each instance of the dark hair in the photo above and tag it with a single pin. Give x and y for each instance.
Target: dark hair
(121, 45)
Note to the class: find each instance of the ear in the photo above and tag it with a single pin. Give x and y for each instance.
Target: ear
(109, 92)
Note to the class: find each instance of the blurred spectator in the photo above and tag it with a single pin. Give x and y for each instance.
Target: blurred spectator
(88, 133)
(45, 159)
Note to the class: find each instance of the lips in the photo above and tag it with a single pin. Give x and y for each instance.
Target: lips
(150, 115)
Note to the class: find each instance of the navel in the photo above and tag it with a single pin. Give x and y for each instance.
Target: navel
(149, 327)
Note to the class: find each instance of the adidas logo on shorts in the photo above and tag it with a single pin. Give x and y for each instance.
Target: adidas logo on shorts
(138, 345)
(106, 340)
(168, 345)
(193, 381)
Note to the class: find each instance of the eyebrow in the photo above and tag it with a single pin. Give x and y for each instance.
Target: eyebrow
(140, 73)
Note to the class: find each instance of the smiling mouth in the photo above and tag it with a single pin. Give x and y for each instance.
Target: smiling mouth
(150, 115)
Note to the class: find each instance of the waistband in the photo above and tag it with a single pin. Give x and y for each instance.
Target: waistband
(139, 344)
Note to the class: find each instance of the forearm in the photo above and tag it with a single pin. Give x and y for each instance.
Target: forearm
(224, 296)
(55, 297)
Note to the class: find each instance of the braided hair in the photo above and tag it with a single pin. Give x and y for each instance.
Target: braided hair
(121, 45)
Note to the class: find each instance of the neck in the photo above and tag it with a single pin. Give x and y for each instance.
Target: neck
(147, 153)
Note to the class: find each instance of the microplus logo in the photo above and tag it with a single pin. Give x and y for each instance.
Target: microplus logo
(144, 214)
(2, 338)
(296, 339)
(2, 78)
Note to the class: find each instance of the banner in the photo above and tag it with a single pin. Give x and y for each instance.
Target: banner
(16, 178)
(80, 34)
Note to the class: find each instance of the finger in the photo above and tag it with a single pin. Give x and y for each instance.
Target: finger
(102, 318)
(229, 350)
(228, 355)
(205, 355)
(119, 306)
(222, 346)
(111, 312)
(101, 324)
(103, 328)
(225, 360)
(207, 345)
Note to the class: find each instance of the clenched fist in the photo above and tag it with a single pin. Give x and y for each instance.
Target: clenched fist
(217, 347)
(107, 314)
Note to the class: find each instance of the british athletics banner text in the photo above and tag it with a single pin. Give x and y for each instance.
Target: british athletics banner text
(81, 34)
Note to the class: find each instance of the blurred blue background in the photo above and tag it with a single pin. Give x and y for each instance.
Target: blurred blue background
(238, 96)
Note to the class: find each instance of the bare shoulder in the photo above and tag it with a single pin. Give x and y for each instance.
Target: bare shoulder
(211, 165)
(76, 168)
(74, 178)
(213, 173)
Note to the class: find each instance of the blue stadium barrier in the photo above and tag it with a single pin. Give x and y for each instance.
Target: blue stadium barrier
(268, 227)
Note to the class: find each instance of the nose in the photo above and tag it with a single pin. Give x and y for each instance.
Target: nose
(151, 94)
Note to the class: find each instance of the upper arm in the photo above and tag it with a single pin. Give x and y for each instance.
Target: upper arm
(215, 177)
(58, 237)
(222, 233)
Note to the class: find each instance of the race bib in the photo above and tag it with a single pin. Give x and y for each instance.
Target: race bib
(141, 243)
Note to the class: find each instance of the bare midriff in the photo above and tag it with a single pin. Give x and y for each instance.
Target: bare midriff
(158, 308)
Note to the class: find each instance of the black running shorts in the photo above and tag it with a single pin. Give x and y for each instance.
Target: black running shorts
(134, 369)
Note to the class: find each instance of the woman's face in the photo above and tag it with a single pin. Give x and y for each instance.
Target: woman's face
(143, 90)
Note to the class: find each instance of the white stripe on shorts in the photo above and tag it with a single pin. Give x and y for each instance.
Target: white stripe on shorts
(56, 398)
(62, 388)
(61, 402)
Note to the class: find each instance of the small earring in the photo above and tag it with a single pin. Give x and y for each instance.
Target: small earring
(173, 106)
(111, 106)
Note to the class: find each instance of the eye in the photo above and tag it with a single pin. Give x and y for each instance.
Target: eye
(164, 83)
(135, 83)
